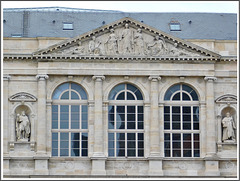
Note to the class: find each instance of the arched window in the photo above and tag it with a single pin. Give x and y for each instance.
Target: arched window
(181, 122)
(125, 122)
(69, 121)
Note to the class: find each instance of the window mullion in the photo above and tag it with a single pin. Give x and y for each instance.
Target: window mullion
(69, 144)
(171, 149)
(181, 144)
(59, 141)
(192, 144)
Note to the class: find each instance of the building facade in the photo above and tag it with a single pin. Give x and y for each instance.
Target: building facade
(123, 99)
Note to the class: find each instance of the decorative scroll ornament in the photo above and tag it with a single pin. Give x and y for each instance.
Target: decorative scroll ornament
(227, 99)
(22, 97)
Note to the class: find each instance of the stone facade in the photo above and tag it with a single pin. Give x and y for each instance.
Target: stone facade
(29, 82)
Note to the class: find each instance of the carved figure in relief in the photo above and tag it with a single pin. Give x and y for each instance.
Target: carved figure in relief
(112, 43)
(93, 46)
(176, 52)
(158, 47)
(79, 49)
(139, 43)
(228, 128)
(22, 126)
(127, 40)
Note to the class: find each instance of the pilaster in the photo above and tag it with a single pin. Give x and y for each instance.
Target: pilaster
(41, 158)
(155, 161)
(6, 137)
(211, 160)
(98, 157)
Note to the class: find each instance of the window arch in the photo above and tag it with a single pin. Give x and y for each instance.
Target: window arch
(125, 122)
(181, 122)
(69, 121)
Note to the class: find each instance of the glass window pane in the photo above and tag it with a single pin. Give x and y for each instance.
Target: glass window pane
(59, 90)
(75, 152)
(176, 153)
(170, 91)
(132, 88)
(187, 153)
(131, 152)
(194, 96)
(115, 90)
(110, 109)
(120, 109)
(185, 97)
(75, 136)
(80, 90)
(63, 152)
(175, 109)
(54, 136)
(84, 125)
(196, 153)
(84, 136)
(130, 96)
(131, 109)
(74, 95)
(55, 144)
(84, 152)
(121, 96)
(54, 152)
(166, 109)
(176, 97)
(140, 136)
(130, 136)
(65, 95)
(140, 109)
(64, 117)
(140, 152)
(139, 95)
(111, 152)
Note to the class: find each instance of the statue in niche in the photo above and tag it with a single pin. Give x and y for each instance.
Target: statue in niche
(22, 127)
(112, 43)
(79, 49)
(127, 40)
(93, 46)
(139, 42)
(158, 47)
(228, 128)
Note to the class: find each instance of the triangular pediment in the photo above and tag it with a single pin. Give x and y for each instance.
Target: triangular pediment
(126, 38)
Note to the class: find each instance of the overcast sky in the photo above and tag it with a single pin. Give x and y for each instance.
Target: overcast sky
(135, 6)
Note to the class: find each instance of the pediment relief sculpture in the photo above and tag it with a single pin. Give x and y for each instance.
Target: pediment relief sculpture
(127, 37)
(22, 97)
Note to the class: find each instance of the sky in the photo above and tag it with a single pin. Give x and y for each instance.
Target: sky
(135, 6)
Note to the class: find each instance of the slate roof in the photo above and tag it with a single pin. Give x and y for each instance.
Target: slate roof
(48, 22)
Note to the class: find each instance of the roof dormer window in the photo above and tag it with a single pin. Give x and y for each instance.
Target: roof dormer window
(174, 26)
(67, 26)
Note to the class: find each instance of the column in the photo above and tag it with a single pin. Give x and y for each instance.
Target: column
(211, 160)
(6, 135)
(98, 158)
(155, 161)
(41, 158)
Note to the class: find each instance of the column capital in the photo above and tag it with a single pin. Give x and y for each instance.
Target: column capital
(42, 76)
(6, 77)
(154, 78)
(98, 77)
(210, 78)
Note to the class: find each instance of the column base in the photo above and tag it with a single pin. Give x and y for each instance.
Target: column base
(155, 166)
(98, 166)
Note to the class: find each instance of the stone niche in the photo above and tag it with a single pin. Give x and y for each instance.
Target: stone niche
(22, 145)
(227, 137)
